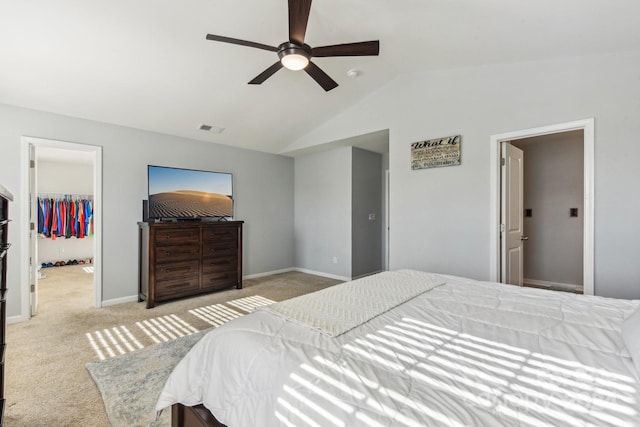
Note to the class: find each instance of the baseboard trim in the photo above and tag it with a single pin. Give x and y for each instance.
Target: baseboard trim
(268, 273)
(547, 284)
(319, 273)
(16, 319)
(366, 275)
(116, 301)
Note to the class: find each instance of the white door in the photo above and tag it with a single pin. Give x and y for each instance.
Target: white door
(33, 231)
(511, 226)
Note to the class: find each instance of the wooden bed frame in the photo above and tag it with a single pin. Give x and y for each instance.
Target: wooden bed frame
(193, 416)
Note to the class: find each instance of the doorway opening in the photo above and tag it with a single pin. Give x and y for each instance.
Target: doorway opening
(585, 212)
(69, 174)
(553, 210)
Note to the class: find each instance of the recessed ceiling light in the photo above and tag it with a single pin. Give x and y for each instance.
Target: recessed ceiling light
(209, 128)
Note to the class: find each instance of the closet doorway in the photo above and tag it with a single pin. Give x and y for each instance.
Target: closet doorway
(64, 178)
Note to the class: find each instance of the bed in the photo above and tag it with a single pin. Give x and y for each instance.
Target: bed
(410, 348)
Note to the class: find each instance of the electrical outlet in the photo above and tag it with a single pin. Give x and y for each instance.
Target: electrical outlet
(372, 217)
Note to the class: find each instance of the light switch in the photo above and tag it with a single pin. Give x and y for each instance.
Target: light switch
(372, 217)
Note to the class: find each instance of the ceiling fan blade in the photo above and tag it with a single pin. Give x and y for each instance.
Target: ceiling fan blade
(260, 78)
(298, 19)
(370, 48)
(320, 77)
(241, 42)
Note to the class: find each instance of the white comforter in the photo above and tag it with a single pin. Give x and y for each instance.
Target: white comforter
(466, 353)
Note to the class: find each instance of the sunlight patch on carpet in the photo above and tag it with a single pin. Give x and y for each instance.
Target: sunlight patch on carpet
(112, 342)
(88, 269)
(248, 304)
(165, 328)
(216, 314)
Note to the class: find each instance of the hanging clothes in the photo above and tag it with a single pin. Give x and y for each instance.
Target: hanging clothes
(66, 216)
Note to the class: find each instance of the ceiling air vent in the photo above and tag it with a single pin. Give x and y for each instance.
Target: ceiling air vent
(209, 128)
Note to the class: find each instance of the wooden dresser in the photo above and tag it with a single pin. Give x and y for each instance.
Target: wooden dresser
(5, 198)
(179, 259)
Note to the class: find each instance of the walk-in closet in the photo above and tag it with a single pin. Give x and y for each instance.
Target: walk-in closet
(65, 228)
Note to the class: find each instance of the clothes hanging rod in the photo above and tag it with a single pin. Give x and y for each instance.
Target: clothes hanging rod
(62, 195)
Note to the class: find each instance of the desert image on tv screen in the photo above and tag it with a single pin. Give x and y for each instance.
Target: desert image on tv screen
(183, 193)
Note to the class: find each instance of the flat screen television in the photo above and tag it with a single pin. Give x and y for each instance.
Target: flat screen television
(176, 193)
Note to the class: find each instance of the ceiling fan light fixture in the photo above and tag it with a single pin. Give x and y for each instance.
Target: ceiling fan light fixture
(294, 57)
(294, 61)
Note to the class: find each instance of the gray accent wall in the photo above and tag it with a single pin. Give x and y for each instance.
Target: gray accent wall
(263, 191)
(440, 218)
(553, 184)
(366, 231)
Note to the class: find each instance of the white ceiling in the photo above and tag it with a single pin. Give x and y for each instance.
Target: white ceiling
(146, 63)
(59, 155)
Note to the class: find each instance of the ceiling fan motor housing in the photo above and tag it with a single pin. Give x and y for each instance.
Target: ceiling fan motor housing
(288, 48)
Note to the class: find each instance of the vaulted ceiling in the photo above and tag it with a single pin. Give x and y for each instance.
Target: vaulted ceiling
(146, 63)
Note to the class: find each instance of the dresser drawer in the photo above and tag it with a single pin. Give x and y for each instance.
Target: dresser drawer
(220, 264)
(220, 233)
(218, 249)
(176, 253)
(174, 236)
(222, 279)
(177, 270)
(176, 287)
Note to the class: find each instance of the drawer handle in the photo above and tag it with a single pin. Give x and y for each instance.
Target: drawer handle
(167, 253)
(167, 236)
(178, 285)
(168, 270)
(213, 263)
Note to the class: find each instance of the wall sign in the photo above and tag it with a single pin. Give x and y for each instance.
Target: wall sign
(435, 153)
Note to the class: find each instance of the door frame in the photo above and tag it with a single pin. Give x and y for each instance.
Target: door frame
(387, 209)
(588, 127)
(28, 141)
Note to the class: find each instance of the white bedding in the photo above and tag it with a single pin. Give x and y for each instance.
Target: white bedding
(464, 353)
(338, 309)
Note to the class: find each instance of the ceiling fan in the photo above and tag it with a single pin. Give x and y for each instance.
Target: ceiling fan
(295, 54)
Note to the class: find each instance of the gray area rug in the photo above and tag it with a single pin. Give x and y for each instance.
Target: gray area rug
(130, 384)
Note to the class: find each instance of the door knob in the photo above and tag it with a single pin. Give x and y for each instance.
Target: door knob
(523, 238)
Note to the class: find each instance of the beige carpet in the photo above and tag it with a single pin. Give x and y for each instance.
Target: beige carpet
(46, 380)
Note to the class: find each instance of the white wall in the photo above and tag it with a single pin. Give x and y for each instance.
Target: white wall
(440, 217)
(323, 212)
(58, 178)
(263, 190)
